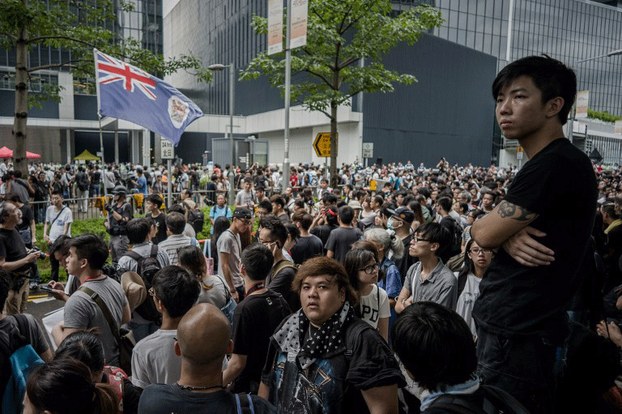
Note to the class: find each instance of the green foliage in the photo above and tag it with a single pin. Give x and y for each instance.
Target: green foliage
(603, 116)
(78, 227)
(340, 34)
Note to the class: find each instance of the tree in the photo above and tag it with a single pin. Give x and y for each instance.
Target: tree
(341, 33)
(75, 26)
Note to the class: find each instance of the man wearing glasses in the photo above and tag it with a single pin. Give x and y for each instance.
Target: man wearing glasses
(429, 280)
(229, 248)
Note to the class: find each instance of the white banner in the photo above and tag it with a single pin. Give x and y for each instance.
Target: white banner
(583, 100)
(275, 26)
(300, 9)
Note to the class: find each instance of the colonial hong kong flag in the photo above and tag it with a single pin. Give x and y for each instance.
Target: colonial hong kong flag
(129, 93)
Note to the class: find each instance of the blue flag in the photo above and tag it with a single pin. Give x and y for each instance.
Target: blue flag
(127, 92)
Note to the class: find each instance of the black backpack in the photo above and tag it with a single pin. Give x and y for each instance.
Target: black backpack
(196, 219)
(83, 181)
(495, 400)
(147, 268)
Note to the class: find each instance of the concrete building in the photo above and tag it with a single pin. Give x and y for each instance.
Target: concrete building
(448, 113)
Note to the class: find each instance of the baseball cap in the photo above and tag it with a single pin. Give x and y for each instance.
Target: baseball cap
(242, 213)
(355, 205)
(403, 213)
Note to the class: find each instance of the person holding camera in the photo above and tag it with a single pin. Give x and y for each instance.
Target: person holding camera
(119, 213)
(15, 258)
(58, 219)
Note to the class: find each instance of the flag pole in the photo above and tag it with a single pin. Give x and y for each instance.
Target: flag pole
(101, 134)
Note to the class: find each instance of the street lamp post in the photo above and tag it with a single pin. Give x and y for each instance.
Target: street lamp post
(219, 67)
(574, 107)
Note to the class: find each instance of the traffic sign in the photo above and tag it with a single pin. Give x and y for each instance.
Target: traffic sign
(167, 150)
(321, 144)
(368, 150)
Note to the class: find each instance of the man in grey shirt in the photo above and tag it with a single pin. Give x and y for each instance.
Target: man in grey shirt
(229, 249)
(87, 256)
(429, 280)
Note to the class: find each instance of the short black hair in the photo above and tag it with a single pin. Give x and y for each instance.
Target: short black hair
(61, 244)
(266, 205)
(175, 222)
(550, 76)
(435, 345)
(278, 232)
(435, 233)
(445, 203)
(138, 229)
(177, 289)
(257, 260)
(155, 200)
(346, 214)
(91, 248)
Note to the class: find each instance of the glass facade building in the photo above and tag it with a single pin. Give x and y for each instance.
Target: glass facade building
(573, 31)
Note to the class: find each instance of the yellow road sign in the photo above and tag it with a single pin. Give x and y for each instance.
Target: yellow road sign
(321, 144)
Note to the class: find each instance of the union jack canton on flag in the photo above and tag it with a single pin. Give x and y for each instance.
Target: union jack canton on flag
(127, 92)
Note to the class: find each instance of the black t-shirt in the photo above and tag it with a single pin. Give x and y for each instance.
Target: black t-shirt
(558, 184)
(341, 240)
(166, 399)
(12, 247)
(282, 283)
(255, 320)
(322, 232)
(160, 223)
(333, 383)
(306, 248)
(27, 217)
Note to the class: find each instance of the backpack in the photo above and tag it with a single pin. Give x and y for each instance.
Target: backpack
(22, 360)
(147, 268)
(196, 219)
(83, 182)
(495, 401)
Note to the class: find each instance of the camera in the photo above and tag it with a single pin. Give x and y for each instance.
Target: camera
(35, 250)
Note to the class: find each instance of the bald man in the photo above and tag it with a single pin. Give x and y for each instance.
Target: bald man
(203, 339)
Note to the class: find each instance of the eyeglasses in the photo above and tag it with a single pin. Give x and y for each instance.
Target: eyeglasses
(477, 251)
(246, 222)
(419, 238)
(267, 242)
(370, 269)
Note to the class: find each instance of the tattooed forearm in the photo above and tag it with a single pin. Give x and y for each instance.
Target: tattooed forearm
(509, 210)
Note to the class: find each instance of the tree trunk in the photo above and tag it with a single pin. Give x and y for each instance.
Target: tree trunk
(334, 176)
(21, 101)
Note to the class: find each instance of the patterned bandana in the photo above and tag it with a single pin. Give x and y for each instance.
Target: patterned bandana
(323, 341)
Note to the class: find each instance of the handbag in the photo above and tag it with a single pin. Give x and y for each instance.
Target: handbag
(125, 338)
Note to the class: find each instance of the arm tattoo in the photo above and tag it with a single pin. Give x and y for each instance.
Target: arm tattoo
(509, 210)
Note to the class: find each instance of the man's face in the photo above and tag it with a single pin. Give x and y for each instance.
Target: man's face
(259, 193)
(247, 186)
(73, 263)
(276, 208)
(265, 238)
(519, 109)
(57, 200)
(242, 224)
(420, 246)
(262, 212)
(14, 215)
(61, 259)
(320, 298)
(487, 200)
(220, 200)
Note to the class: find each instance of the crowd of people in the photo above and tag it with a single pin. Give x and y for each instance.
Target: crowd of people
(405, 289)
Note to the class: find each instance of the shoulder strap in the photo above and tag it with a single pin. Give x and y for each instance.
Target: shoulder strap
(244, 403)
(58, 215)
(134, 255)
(462, 279)
(98, 300)
(501, 400)
(282, 265)
(454, 404)
(154, 250)
(23, 326)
